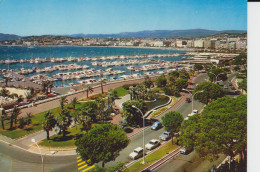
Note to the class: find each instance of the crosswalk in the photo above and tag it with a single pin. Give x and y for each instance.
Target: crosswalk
(82, 165)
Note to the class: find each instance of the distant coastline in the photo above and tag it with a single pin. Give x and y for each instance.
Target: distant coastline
(159, 48)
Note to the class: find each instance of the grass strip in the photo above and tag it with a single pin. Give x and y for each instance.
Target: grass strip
(58, 141)
(35, 126)
(162, 109)
(153, 157)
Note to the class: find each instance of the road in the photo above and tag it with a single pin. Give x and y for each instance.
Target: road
(15, 159)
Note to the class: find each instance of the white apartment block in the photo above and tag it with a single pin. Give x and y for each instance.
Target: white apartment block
(199, 43)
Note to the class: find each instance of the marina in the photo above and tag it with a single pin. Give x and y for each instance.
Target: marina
(77, 67)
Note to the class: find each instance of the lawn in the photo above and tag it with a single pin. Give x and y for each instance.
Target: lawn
(35, 126)
(162, 109)
(153, 157)
(67, 141)
(121, 91)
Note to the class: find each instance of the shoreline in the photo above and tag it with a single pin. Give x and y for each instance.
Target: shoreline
(158, 48)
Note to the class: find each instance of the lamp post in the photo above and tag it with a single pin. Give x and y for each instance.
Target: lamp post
(34, 141)
(143, 131)
(216, 75)
(192, 97)
(231, 66)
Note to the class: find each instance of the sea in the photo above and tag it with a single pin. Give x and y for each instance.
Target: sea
(17, 52)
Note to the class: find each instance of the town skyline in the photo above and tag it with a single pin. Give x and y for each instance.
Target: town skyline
(26, 18)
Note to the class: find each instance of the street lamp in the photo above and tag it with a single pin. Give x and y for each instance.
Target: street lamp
(143, 131)
(192, 97)
(216, 75)
(34, 141)
(231, 66)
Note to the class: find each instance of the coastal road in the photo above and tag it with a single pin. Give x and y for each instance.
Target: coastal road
(55, 103)
(14, 159)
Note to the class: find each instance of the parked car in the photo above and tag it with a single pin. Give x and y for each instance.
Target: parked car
(138, 152)
(225, 87)
(195, 111)
(50, 95)
(152, 144)
(187, 100)
(183, 151)
(165, 135)
(232, 87)
(30, 100)
(156, 125)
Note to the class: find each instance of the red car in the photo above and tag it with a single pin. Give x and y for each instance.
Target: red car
(50, 95)
(187, 100)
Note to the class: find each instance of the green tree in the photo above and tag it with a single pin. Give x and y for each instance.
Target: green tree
(217, 73)
(148, 83)
(64, 120)
(174, 74)
(28, 119)
(181, 84)
(16, 112)
(102, 143)
(172, 122)
(171, 91)
(184, 74)
(161, 81)
(4, 92)
(132, 115)
(222, 128)
(49, 123)
(241, 60)
(198, 67)
(119, 167)
(22, 122)
(89, 89)
(74, 103)
(210, 91)
(243, 84)
(63, 101)
(3, 117)
(102, 82)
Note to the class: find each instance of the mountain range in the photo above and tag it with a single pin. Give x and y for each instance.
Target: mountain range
(160, 33)
(4, 37)
(142, 34)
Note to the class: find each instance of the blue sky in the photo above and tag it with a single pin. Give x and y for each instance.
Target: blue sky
(37, 17)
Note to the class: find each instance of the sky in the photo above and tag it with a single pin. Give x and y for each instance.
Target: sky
(39, 17)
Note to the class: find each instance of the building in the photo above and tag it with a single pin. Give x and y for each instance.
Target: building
(199, 43)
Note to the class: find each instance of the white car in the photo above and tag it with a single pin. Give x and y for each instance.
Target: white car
(195, 111)
(138, 152)
(152, 144)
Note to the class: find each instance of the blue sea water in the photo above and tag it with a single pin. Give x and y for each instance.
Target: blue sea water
(15, 52)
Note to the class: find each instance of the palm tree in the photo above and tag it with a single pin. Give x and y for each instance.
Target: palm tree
(4, 92)
(14, 115)
(148, 82)
(3, 118)
(28, 119)
(64, 121)
(50, 85)
(81, 116)
(74, 102)
(102, 81)
(89, 89)
(48, 123)
(63, 101)
(44, 86)
(16, 112)
(6, 80)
